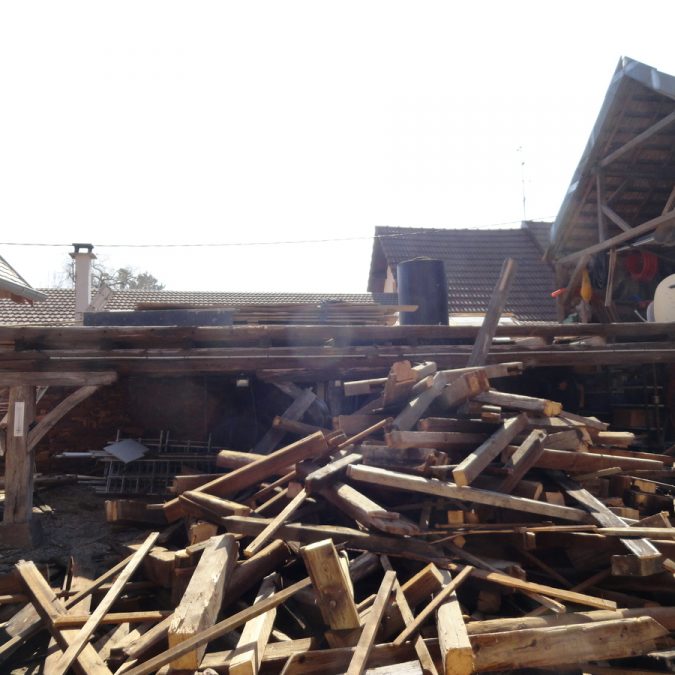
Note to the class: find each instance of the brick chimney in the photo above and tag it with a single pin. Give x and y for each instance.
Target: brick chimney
(82, 255)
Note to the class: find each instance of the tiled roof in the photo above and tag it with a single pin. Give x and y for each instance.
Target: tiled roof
(473, 260)
(13, 283)
(59, 307)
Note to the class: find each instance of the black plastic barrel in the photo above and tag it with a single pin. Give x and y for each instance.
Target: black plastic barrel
(422, 282)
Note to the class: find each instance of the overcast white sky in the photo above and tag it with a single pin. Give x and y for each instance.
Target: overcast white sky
(213, 122)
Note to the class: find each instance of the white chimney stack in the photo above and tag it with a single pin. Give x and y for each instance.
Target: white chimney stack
(82, 255)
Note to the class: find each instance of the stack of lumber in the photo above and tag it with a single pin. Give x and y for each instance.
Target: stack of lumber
(332, 312)
(445, 527)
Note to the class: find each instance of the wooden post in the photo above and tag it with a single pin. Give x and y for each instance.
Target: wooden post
(19, 459)
(453, 638)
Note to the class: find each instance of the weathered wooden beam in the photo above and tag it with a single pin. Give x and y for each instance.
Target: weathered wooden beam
(438, 600)
(566, 645)
(254, 637)
(251, 474)
(57, 413)
(57, 379)
(295, 411)
(261, 540)
(475, 462)
(645, 559)
(529, 404)
(634, 142)
(453, 638)
(222, 628)
(439, 488)
(500, 294)
(18, 505)
(333, 590)
(522, 460)
(359, 661)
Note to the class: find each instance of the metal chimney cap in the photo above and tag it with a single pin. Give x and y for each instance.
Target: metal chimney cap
(88, 247)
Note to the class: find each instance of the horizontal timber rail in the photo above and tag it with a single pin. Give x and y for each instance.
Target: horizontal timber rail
(67, 337)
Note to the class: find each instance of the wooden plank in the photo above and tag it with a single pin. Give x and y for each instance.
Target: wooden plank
(362, 435)
(49, 607)
(638, 231)
(26, 624)
(71, 620)
(19, 458)
(438, 600)
(500, 294)
(60, 379)
(38, 432)
(529, 404)
(209, 507)
(438, 440)
(365, 511)
(256, 633)
(473, 464)
(566, 645)
(582, 462)
(330, 472)
(218, 630)
(453, 638)
(333, 590)
(422, 651)
(251, 474)
(261, 540)
(83, 636)
(461, 388)
(359, 661)
(295, 411)
(202, 599)
(638, 140)
(522, 460)
(439, 488)
(647, 558)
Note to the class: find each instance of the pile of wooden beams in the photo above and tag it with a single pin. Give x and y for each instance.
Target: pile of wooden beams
(446, 527)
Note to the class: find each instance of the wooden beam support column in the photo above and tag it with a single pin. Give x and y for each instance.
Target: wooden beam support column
(19, 459)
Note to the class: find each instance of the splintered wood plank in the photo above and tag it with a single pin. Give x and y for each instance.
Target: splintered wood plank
(523, 459)
(450, 587)
(471, 467)
(365, 644)
(261, 540)
(646, 558)
(332, 588)
(255, 635)
(203, 597)
(566, 645)
(488, 328)
(218, 630)
(252, 474)
(49, 607)
(83, 636)
(453, 639)
(530, 404)
(439, 488)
